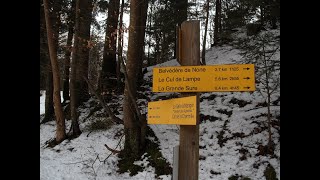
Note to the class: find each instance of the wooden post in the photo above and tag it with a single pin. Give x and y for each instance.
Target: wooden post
(175, 170)
(178, 43)
(189, 134)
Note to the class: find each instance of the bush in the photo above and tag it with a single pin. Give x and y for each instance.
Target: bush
(100, 124)
(270, 173)
(237, 177)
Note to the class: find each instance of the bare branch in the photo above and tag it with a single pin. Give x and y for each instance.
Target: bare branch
(134, 102)
(273, 52)
(275, 88)
(89, 133)
(77, 162)
(110, 148)
(104, 105)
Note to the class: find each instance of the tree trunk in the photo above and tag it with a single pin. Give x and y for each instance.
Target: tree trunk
(220, 18)
(68, 50)
(120, 39)
(142, 28)
(182, 11)
(132, 127)
(164, 47)
(205, 36)
(55, 21)
(49, 110)
(84, 45)
(60, 132)
(94, 62)
(268, 97)
(181, 8)
(44, 59)
(45, 68)
(262, 15)
(79, 50)
(157, 47)
(275, 12)
(109, 51)
(217, 20)
(143, 21)
(149, 41)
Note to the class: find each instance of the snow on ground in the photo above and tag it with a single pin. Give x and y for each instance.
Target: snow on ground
(223, 55)
(222, 162)
(42, 101)
(240, 128)
(83, 157)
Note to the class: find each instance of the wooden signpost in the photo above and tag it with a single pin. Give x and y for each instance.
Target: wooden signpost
(189, 79)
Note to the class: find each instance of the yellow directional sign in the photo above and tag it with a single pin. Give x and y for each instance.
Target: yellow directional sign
(220, 78)
(174, 111)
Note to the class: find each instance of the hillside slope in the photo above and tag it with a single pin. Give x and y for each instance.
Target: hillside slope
(233, 132)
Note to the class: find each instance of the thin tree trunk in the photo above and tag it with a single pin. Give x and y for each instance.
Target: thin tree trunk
(268, 99)
(120, 39)
(157, 47)
(60, 132)
(142, 28)
(216, 22)
(205, 36)
(220, 18)
(67, 68)
(74, 87)
(149, 41)
(269, 115)
(49, 110)
(262, 15)
(68, 52)
(163, 47)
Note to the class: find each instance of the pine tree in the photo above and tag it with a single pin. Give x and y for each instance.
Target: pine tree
(205, 35)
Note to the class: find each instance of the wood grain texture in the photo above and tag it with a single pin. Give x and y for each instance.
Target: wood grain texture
(189, 134)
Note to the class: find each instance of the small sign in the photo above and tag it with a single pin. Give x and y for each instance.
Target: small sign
(174, 111)
(219, 78)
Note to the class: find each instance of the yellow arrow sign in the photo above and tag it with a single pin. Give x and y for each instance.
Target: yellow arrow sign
(220, 78)
(174, 111)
